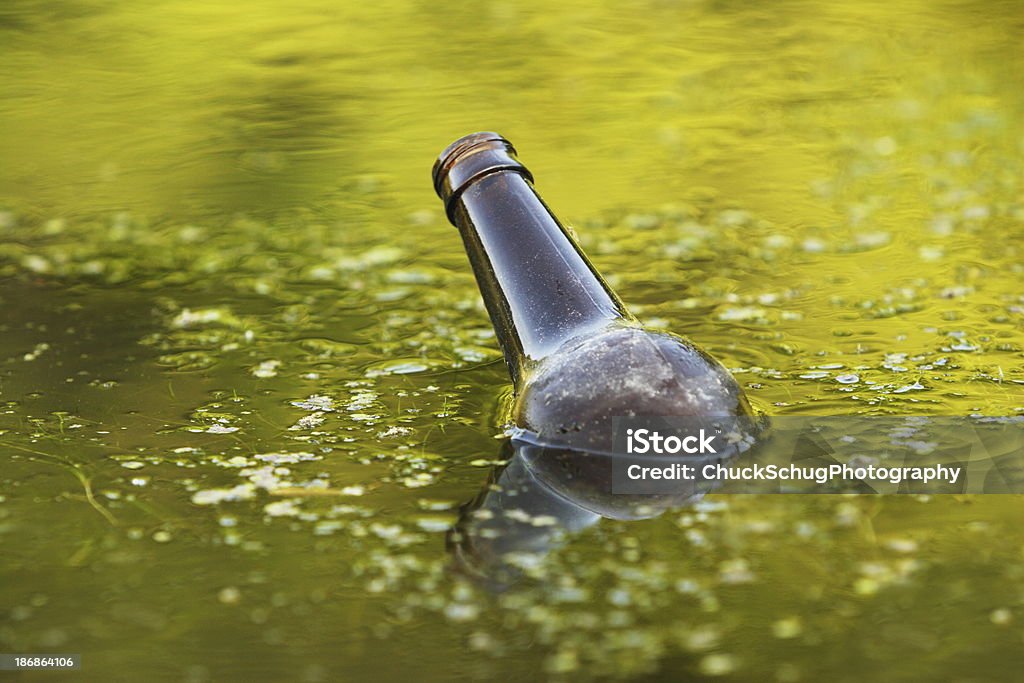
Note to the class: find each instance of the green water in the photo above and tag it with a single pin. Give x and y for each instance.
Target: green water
(246, 380)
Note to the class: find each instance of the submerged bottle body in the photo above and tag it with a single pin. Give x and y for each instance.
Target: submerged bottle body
(576, 356)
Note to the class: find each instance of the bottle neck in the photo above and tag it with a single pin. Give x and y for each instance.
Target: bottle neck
(538, 287)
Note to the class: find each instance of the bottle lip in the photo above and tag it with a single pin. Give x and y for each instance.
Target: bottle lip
(470, 158)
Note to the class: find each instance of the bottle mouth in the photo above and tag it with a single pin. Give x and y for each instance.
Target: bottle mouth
(470, 158)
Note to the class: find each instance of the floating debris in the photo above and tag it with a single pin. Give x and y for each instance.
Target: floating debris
(229, 595)
(316, 402)
(188, 318)
(266, 369)
(215, 496)
(282, 508)
(287, 458)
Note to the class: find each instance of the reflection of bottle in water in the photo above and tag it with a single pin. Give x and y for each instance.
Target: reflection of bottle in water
(576, 356)
(513, 522)
(531, 505)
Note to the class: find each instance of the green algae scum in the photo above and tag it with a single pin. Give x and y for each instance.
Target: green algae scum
(252, 408)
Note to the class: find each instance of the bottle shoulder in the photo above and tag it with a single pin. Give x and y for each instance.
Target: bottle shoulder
(623, 371)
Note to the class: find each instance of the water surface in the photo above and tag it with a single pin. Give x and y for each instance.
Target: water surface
(247, 383)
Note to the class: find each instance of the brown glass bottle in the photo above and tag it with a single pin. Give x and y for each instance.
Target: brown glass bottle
(576, 356)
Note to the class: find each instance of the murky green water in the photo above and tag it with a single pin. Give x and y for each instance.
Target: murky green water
(246, 381)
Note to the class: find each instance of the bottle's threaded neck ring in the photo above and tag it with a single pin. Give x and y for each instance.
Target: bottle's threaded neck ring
(470, 158)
